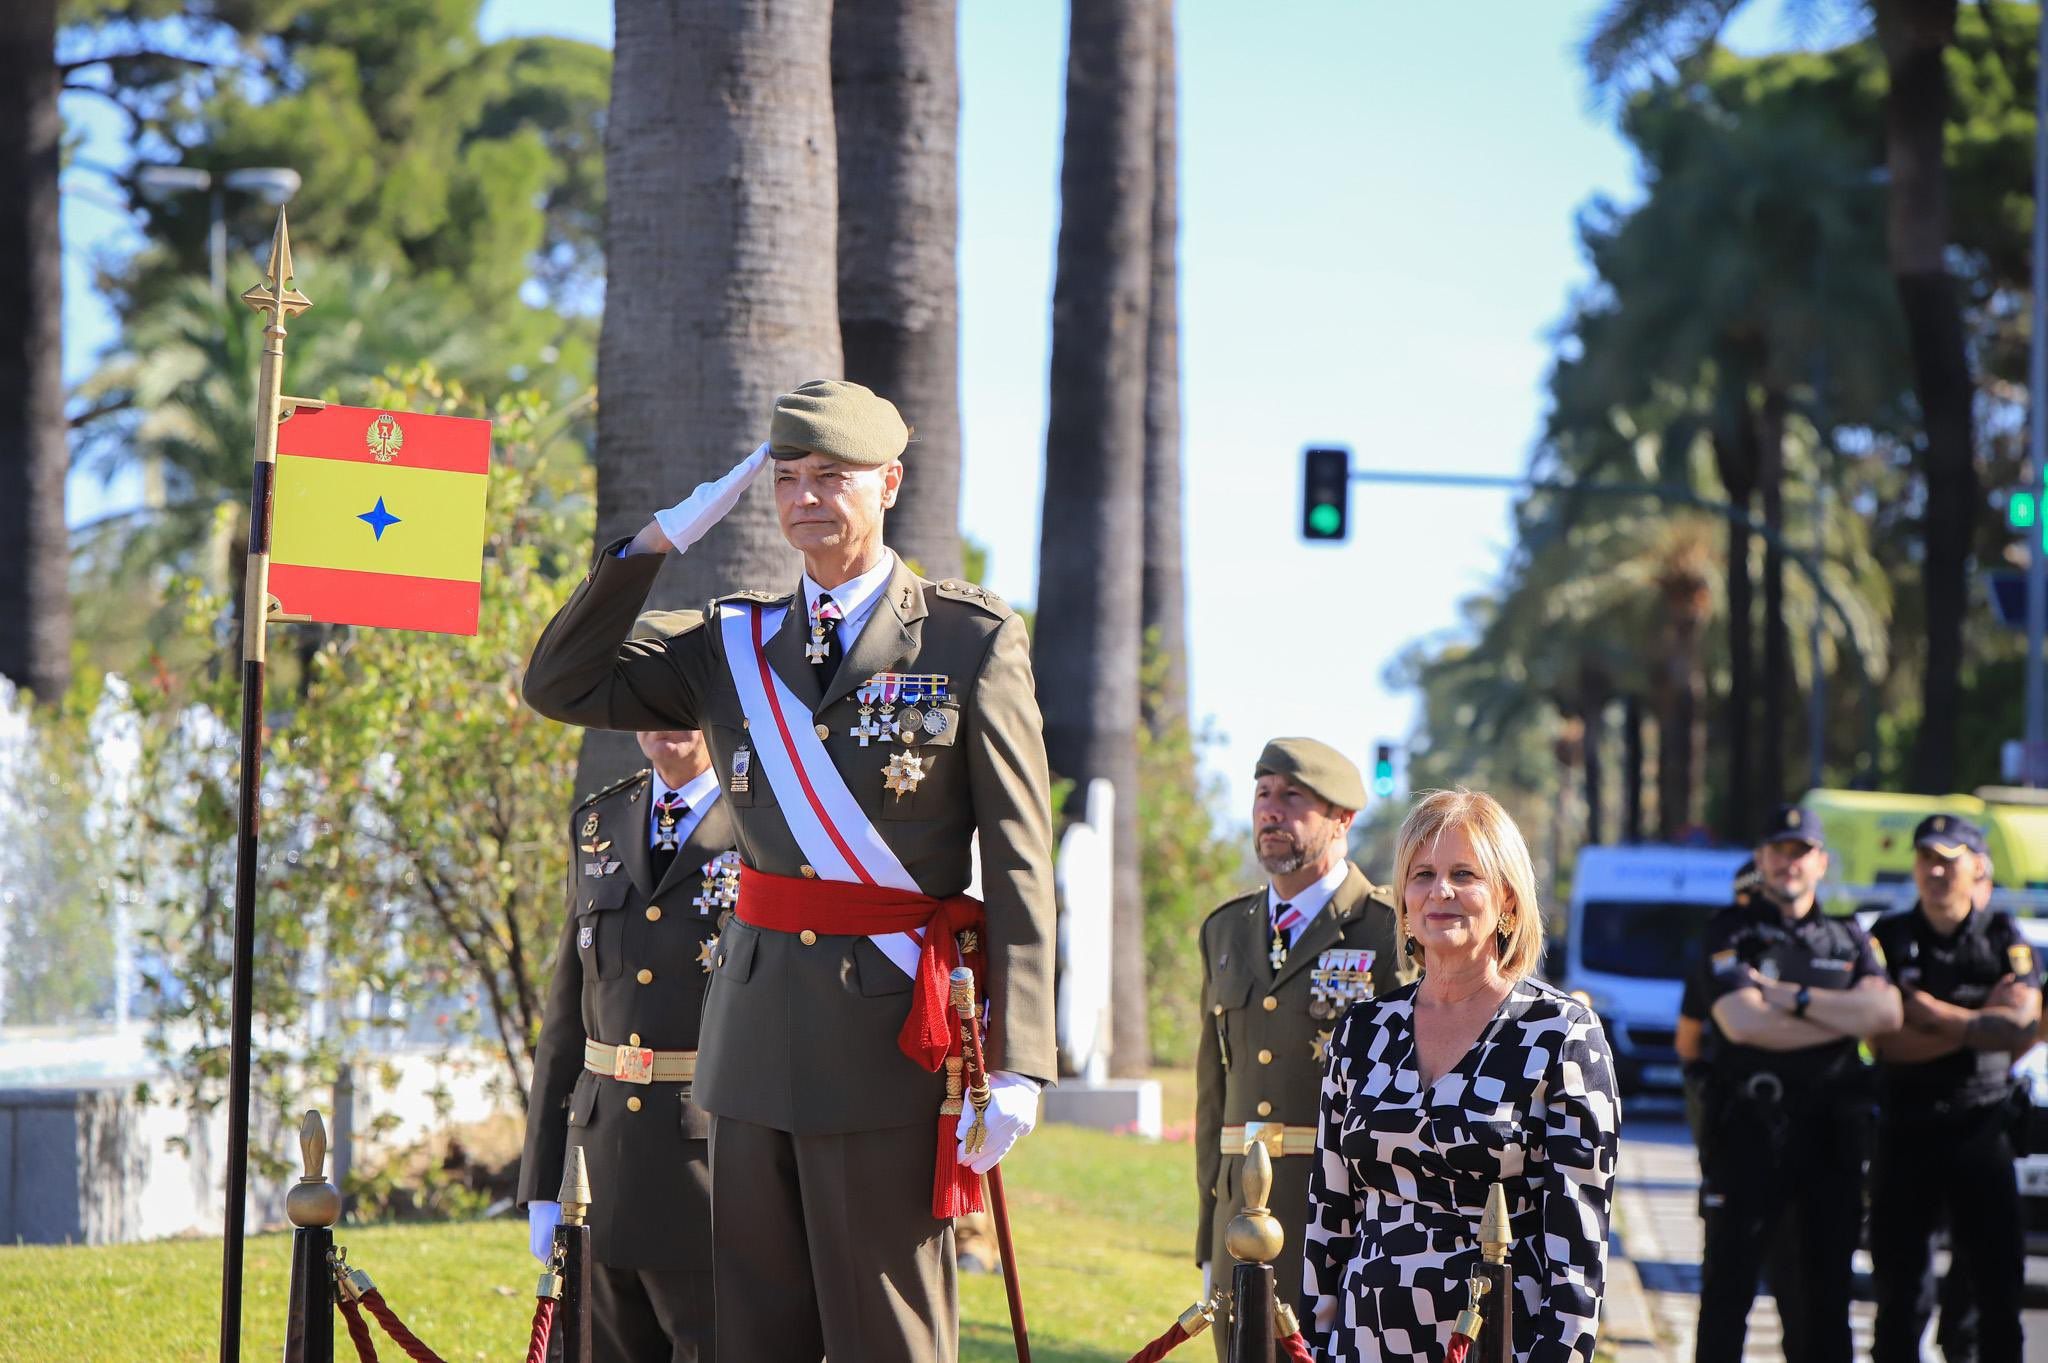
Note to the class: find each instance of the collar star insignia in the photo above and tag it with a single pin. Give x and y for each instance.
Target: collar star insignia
(707, 953)
(903, 773)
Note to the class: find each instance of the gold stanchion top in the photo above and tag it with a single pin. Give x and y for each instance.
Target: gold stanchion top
(313, 1201)
(1254, 1235)
(275, 294)
(575, 1194)
(1495, 1236)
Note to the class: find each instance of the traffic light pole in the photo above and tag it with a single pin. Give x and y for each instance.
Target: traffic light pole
(1807, 558)
(2036, 752)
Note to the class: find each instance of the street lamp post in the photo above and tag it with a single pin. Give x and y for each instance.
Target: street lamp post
(275, 185)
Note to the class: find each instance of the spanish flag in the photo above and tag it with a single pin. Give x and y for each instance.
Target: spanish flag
(377, 518)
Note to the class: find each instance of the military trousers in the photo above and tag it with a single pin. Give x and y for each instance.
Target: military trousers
(1772, 1172)
(826, 1246)
(1960, 1166)
(650, 1315)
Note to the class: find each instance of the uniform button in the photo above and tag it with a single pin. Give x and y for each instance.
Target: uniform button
(1265, 1057)
(1217, 1009)
(807, 937)
(633, 1040)
(654, 913)
(590, 903)
(633, 1103)
(720, 959)
(1265, 1109)
(745, 723)
(1271, 1003)
(645, 977)
(823, 731)
(809, 873)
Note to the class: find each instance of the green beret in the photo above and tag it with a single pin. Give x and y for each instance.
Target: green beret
(1316, 766)
(665, 624)
(839, 420)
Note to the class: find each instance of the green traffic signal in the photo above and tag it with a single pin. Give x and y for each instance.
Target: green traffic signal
(1325, 520)
(2022, 510)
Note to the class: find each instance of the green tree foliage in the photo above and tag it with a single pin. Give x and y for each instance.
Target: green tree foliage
(413, 813)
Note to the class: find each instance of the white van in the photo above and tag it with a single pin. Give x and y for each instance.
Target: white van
(1632, 931)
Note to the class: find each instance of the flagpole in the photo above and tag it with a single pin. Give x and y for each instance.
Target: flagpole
(280, 301)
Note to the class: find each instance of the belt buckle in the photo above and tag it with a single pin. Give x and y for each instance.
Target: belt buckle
(633, 1065)
(1272, 1135)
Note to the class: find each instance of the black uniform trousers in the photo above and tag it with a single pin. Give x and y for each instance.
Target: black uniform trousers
(650, 1315)
(1960, 1165)
(1790, 1171)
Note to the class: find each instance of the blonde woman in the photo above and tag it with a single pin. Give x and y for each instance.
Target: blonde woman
(1474, 1075)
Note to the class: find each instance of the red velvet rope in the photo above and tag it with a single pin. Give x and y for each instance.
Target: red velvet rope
(543, 1325)
(1460, 1346)
(1162, 1346)
(374, 1303)
(1295, 1348)
(358, 1328)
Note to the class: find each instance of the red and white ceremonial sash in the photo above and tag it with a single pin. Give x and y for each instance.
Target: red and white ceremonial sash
(833, 832)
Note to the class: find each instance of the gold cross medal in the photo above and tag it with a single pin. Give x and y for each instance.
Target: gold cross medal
(903, 773)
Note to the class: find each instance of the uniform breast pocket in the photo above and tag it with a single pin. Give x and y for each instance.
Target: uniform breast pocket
(734, 959)
(738, 764)
(601, 929)
(930, 763)
(583, 1099)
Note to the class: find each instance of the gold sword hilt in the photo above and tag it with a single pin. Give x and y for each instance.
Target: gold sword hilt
(962, 981)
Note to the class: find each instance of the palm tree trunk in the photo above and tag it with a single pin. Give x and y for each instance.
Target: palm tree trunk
(1735, 458)
(1087, 648)
(1681, 718)
(1165, 575)
(1915, 36)
(1777, 674)
(1631, 769)
(896, 102)
(35, 547)
(721, 188)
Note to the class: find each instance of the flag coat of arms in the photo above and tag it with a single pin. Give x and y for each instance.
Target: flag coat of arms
(377, 518)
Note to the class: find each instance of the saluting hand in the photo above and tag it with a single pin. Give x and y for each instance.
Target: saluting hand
(682, 525)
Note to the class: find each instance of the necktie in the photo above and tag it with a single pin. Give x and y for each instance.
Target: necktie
(1285, 916)
(668, 812)
(824, 651)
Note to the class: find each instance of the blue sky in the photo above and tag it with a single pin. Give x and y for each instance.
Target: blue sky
(1377, 210)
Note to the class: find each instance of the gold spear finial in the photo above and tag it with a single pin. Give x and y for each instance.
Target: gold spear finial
(313, 1201)
(1495, 1234)
(575, 1193)
(275, 294)
(1254, 1235)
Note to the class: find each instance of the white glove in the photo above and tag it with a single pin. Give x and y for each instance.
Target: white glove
(692, 518)
(541, 1220)
(1208, 1280)
(1012, 1112)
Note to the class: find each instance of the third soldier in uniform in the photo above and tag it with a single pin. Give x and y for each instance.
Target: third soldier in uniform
(651, 875)
(1947, 1102)
(1279, 967)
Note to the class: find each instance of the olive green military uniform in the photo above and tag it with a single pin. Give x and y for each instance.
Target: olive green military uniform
(631, 971)
(823, 1131)
(1261, 1053)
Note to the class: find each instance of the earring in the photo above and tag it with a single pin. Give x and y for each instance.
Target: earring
(1412, 947)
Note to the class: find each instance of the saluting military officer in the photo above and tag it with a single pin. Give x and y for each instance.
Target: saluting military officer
(1948, 1104)
(1279, 967)
(867, 725)
(651, 875)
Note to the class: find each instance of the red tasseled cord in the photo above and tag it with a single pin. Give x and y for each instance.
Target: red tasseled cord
(1460, 1346)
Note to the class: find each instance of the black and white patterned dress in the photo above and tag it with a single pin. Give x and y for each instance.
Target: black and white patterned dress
(1400, 1178)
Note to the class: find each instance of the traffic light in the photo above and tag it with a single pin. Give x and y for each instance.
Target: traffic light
(1383, 770)
(1326, 495)
(2023, 512)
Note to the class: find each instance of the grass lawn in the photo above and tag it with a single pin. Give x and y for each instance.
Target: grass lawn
(1104, 1227)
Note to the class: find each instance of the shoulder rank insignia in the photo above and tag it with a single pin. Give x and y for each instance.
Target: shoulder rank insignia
(1725, 962)
(1877, 950)
(2020, 957)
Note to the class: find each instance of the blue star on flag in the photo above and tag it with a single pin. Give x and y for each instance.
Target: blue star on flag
(378, 518)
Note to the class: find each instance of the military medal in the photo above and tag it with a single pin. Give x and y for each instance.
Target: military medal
(707, 953)
(1319, 1044)
(935, 722)
(720, 887)
(742, 767)
(1340, 978)
(667, 811)
(903, 773)
(590, 825)
(593, 847)
(867, 729)
(824, 612)
(603, 866)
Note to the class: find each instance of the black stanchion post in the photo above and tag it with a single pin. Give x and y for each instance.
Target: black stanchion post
(1496, 1342)
(570, 1342)
(313, 1206)
(1253, 1238)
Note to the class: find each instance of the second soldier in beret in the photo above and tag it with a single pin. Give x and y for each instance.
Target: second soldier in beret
(1279, 967)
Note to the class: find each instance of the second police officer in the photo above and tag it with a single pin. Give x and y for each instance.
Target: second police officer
(1791, 992)
(1948, 1104)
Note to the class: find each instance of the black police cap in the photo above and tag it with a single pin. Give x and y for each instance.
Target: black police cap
(1790, 823)
(1948, 836)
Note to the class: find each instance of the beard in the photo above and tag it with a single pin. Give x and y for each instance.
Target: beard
(1295, 855)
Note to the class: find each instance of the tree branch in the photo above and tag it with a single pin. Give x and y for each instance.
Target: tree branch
(139, 55)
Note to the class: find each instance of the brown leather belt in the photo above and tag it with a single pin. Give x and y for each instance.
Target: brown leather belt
(637, 1065)
(1278, 1138)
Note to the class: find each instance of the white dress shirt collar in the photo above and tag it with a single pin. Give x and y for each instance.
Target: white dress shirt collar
(856, 599)
(1310, 901)
(698, 792)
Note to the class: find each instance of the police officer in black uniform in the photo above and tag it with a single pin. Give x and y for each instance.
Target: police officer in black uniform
(1948, 1106)
(1788, 1098)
